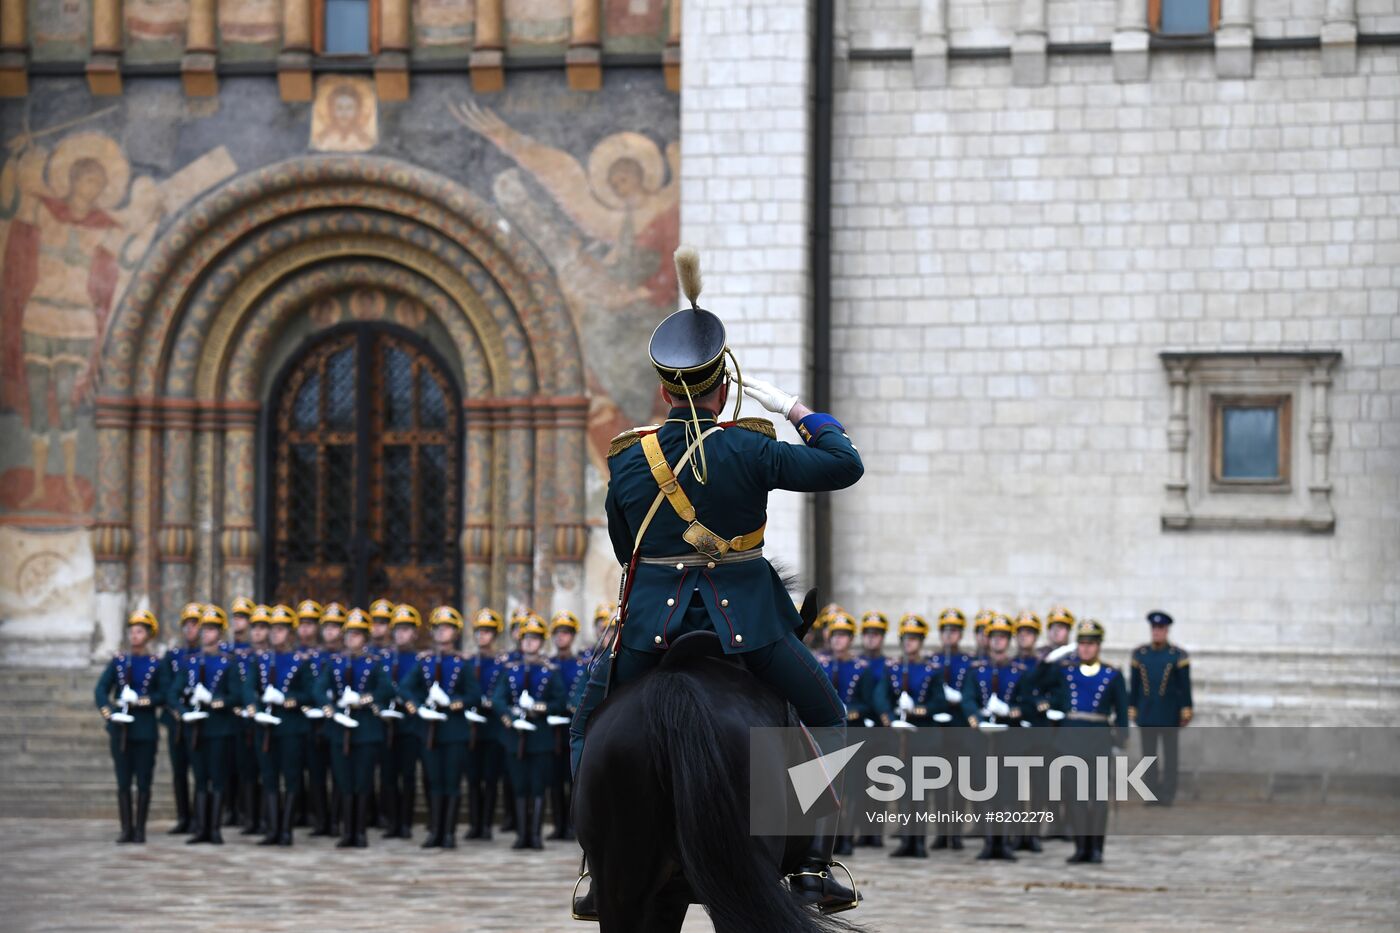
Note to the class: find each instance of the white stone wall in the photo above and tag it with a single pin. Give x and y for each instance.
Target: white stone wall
(744, 198)
(1378, 16)
(1009, 263)
(1287, 18)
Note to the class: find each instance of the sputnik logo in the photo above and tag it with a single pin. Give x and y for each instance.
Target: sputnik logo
(811, 778)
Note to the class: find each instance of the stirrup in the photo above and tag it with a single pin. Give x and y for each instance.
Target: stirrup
(573, 899)
(827, 873)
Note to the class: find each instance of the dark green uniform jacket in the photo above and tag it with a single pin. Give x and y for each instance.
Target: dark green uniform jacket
(746, 602)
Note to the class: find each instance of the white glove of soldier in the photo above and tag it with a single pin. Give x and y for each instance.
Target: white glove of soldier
(128, 695)
(474, 716)
(313, 712)
(267, 719)
(348, 698)
(273, 697)
(1054, 715)
(193, 716)
(868, 723)
(951, 695)
(522, 725)
(526, 701)
(346, 721)
(430, 714)
(438, 696)
(558, 720)
(201, 694)
(1060, 652)
(997, 707)
(122, 718)
(769, 396)
(942, 717)
(906, 702)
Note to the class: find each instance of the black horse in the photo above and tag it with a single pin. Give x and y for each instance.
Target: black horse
(661, 806)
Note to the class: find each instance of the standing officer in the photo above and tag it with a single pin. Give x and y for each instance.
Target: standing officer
(317, 758)
(848, 676)
(915, 684)
(951, 664)
(992, 700)
(354, 689)
(527, 695)
(205, 691)
(874, 626)
(174, 728)
(404, 736)
(486, 750)
(980, 622)
(1160, 703)
(383, 806)
(439, 689)
(573, 671)
(1098, 715)
(243, 776)
(127, 694)
(329, 632)
(275, 695)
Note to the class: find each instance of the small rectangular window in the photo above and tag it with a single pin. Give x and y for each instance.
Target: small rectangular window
(1250, 440)
(346, 27)
(1183, 17)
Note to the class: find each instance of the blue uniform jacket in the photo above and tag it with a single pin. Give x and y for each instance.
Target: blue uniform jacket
(145, 674)
(546, 690)
(363, 673)
(456, 676)
(289, 672)
(219, 675)
(1161, 686)
(746, 602)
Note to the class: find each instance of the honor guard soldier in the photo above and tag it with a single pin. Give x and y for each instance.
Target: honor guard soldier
(1049, 684)
(169, 716)
(951, 664)
(847, 675)
(130, 689)
(486, 751)
(276, 696)
(326, 805)
(441, 689)
(918, 692)
(873, 628)
(383, 810)
(354, 690)
(980, 622)
(991, 701)
(404, 735)
(1027, 634)
(528, 698)
(247, 770)
(695, 562)
(1098, 713)
(1059, 622)
(1159, 702)
(205, 691)
(573, 674)
(381, 615)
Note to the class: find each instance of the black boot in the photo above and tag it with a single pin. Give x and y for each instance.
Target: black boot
(940, 841)
(216, 836)
(406, 801)
(143, 810)
(449, 830)
(182, 806)
(474, 815)
(231, 815)
(509, 824)
(955, 842)
(1001, 848)
(249, 805)
(488, 810)
(585, 905)
(522, 829)
(843, 846)
(905, 849)
(1094, 856)
(435, 821)
(272, 809)
(347, 822)
(1029, 843)
(1078, 855)
(988, 849)
(813, 882)
(320, 810)
(558, 804)
(124, 816)
(920, 846)
(537, 822)
(289, 811)
(361, 821)
(198, 819)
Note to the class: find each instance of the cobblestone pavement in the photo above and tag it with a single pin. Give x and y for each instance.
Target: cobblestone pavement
(68, 875)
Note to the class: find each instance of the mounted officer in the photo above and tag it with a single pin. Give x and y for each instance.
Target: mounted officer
(687, 507)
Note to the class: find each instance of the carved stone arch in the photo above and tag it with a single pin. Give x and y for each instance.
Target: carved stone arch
(179, 411)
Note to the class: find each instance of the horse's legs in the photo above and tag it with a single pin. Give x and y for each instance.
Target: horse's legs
(664, 914)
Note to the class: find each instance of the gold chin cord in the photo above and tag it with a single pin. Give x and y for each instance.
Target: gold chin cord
(700, 468)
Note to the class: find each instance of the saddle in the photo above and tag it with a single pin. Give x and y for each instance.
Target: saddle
(694, 646)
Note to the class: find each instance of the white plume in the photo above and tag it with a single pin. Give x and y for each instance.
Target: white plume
(688, 272)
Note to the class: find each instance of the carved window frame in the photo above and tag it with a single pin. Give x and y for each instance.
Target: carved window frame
(1299, 383)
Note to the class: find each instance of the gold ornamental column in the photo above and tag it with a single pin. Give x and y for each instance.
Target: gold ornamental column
(201, 51)
(294, 61)
(584, 61)
(488, 55)
(519, 433)
(175, 533)
(391, 63)
(478, 518)
(104, 74)
(111, 530)
(14, 48)
(238, 539)
(567, 500)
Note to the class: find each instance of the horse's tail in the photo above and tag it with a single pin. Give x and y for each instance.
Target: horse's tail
(721, 862)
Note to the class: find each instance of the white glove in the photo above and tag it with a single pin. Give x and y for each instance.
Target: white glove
(474, 716)
(390, 714)
(902, 724)
(942, 717)
(348, 697)
(868, 723)
(430, 714)
(906, 702)
(991, 727)
(951, 695)
(346, 721)
(128, 695)
(438, 697)
(193, 716)
(122, 717)
(313, 712)
(201, 694)
(769, 396)
(273, 697)
(1025, 725)
(267, 719)
(558, 720)
(997, 707)
(523, 725)
(526, 701)
(1054, 715)
(1060, 652)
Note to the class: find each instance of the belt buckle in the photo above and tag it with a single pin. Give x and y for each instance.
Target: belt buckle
(705, 541)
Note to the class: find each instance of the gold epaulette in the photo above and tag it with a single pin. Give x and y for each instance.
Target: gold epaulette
(628, 438)
(758, 425)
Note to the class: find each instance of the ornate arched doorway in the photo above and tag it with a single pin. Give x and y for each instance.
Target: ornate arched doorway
(364, 465)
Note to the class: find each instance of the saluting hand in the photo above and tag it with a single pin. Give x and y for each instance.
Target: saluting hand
(769, 396)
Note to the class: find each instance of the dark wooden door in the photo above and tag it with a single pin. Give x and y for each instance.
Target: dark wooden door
(366, 476)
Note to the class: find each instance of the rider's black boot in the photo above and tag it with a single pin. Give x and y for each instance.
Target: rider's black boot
(585, 906)
(813, 882)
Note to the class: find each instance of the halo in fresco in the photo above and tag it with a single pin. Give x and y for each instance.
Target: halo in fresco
(619, 148)
(99, 147)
